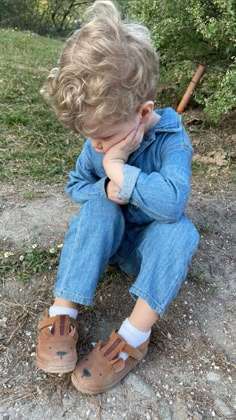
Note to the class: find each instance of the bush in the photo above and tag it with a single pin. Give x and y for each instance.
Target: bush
(192, 32)
(50, 17)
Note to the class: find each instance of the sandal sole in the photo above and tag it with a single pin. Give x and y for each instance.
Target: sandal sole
(84, 390)
(54, 368)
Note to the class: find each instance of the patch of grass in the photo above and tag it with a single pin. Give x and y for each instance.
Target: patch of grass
(198, 168)
(24, 264)
(32, 195)
(197, 278)
(233, 175)
(203, 229)
(33, 143)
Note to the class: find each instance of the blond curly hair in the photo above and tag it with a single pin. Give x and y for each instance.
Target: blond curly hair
(107, 69)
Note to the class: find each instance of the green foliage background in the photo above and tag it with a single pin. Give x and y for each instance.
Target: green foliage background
(192, 32)
(186, 32)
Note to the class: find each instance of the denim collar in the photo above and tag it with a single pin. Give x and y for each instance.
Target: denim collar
(170, 122)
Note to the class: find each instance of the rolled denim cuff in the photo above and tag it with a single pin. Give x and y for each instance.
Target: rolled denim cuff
(99, 188)
(131, 174)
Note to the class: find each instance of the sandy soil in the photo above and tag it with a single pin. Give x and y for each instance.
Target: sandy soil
(189, 372)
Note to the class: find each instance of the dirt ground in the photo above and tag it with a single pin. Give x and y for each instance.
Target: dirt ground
(189, 372)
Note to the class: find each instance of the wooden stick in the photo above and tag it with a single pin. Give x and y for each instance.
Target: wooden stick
(190, 89)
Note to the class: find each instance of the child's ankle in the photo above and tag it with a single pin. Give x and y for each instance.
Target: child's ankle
(64, 307)
(65, 303)
(63, 310)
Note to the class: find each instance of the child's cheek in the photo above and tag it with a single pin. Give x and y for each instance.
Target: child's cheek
(107, 145)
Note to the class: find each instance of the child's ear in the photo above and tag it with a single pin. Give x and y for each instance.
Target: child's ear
(145, 111)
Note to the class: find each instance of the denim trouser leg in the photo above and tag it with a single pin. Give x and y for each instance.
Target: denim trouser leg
(93, 237)
(160, 260)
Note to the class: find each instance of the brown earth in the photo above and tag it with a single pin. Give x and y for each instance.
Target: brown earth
(189, 372)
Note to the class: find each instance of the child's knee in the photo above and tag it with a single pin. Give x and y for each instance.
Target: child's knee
(101, 211)
(180, 235)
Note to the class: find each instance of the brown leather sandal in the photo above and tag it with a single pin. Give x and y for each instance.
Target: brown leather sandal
(103, 368)
(56, 349)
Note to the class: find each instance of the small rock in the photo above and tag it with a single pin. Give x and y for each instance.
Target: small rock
(3, 322)
(223, 408)
(139, 386)
(196, 416)
(213, 377)
(180, 411)
(188, 346)
(164, 413)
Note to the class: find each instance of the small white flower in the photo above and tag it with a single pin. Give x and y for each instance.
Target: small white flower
(52, 251)
(21, 257)
(8, 254)
(34, 246)
(60, 245)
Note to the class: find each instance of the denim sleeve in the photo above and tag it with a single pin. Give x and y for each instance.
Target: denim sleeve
(162, 195)
(83, 183)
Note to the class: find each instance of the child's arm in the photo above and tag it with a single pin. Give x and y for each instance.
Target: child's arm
(162, 195)
(84, 184)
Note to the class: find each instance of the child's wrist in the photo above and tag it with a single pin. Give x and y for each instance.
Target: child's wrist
(114, 171)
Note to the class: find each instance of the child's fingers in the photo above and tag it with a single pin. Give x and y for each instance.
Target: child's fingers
(138, 134)
(135, 134)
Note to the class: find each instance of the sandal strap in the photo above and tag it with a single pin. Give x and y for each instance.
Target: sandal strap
(116, 344)
(47, 322)
(133, 352)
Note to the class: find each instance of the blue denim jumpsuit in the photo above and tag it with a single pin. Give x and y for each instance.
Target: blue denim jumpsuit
(150, 237)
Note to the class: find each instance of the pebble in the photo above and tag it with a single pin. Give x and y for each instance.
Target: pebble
(139, 386)
(221, 406)
(213, 377)
(196, 416)
(3, 322)
(165, 414)
(180, 411)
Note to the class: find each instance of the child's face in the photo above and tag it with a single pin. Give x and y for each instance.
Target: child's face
(103, 139)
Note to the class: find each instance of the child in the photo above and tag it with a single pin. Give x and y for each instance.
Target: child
(133, 180)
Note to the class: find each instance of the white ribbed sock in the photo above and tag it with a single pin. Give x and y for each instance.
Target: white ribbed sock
(132, 336)
(63, 310)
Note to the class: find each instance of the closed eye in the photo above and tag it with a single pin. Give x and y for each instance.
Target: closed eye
(108, 137)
